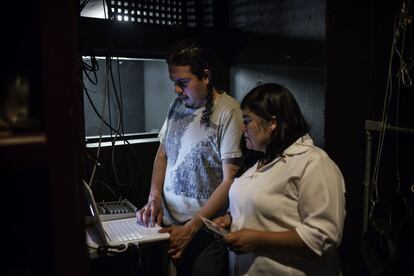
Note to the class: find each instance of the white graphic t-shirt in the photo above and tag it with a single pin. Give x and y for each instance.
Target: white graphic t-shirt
(195, 153)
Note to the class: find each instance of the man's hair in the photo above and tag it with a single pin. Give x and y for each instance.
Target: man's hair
(272, 100)
(199, 57)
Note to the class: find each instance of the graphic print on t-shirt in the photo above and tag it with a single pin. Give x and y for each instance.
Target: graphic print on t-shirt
(181, 122)
(199, 174)
(195, 152)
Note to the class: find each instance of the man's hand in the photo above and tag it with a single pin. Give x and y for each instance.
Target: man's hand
(151, 213)
(180, 238)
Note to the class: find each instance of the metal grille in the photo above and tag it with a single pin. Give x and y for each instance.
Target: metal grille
(208, 18)
(160, 12)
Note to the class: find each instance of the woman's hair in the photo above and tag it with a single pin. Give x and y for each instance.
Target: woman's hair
(249, 156)
(194, 54)
(272, 100)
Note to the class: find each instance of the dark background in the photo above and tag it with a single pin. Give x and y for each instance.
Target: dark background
(333, 55)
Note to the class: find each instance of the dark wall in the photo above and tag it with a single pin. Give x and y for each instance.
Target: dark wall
(285, 43)
(306, 83)
(20, 78)
(40, 173)
(299, 19)
(358, 54)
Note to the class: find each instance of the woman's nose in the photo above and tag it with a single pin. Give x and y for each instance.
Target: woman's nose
(243, 128)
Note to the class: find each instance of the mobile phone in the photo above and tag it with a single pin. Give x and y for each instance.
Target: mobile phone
(214, 227)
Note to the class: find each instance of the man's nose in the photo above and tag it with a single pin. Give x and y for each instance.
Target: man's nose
(178, 89)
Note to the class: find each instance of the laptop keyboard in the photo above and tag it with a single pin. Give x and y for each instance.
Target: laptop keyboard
(125, 230)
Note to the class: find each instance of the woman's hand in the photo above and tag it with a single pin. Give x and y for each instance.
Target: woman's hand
(223, 221)
(242, 241)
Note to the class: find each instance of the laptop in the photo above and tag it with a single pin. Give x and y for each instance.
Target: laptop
(122, 231)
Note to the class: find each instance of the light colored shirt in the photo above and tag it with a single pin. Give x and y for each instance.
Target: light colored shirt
(195, 153)
(303, 190)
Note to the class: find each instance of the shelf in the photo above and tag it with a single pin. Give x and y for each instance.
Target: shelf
(23, 150)
(22, 139)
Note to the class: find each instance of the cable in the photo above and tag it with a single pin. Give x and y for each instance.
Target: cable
(387, 98)
(399, 27)
(96, 111)
(83, 5)
(107, 67)
(118, 128)
(94, 67)
(120, 96)
(131, 153)
(116, 132)
(107, 186)
(139, 261)
(120, 123)
(100, 138)
(111, 250)
(403, 21)
(403, 79)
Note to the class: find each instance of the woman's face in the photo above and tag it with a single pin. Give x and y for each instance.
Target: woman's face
(257, 131)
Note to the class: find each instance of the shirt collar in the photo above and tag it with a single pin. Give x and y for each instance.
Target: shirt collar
(300, 146)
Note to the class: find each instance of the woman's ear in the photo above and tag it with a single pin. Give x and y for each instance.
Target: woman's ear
(273, 123)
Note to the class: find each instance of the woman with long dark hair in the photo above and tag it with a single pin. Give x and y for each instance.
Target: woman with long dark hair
(287, 210)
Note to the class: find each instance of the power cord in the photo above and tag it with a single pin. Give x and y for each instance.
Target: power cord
(109, 250)
(139, 261)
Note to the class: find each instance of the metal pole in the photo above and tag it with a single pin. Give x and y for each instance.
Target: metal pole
(373, 126)
(366, 182)
(377, 126)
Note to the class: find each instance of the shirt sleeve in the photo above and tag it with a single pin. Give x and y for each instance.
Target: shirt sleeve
(321, 205)
(231, 135)
(162, 133)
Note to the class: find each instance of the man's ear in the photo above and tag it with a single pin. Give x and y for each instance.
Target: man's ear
(207, 74)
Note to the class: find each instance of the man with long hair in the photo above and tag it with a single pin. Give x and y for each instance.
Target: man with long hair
(196, 162)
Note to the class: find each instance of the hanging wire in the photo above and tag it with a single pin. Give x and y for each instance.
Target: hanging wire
(83, 5)
(399, 29)
(103, 107)
(115, 110)
(404, 79)
(404, 20)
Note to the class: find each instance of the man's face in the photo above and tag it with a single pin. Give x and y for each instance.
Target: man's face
(191, 90)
